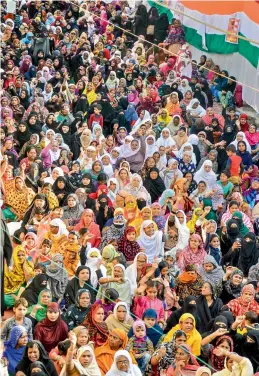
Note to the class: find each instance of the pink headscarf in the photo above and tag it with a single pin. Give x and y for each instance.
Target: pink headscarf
(188, 257)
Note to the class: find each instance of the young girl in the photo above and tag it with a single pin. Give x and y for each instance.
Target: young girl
(44, 255)
(128, 246)
(150, 300)
(140, 345)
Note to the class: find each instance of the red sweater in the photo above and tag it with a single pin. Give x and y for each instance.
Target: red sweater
(95, 119)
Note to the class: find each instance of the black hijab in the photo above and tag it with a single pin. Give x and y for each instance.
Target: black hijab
(68, 188)
(249, 253)
(32, 292)
(35, 128)
(251, 349)
(73, 287)
(91, 185)
(186, 308)
(154, 186)
(229, 134)
(43, 371)
(233, 232)
(22, 137)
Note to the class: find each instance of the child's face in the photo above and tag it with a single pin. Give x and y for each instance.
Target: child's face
(214, 124)
(75, 167)
(170, 260)
(20, 311)
(151, 293)
(140, 332)
(37, 271)
(97, 111)
(86, 181)
(45, 249)
(131, 236)
(164, 271)
(149, 321)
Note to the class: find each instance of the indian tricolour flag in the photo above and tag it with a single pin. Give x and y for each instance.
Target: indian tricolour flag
(239, 57)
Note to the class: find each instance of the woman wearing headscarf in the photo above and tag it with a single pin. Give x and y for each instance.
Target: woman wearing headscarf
(120, 318)
(22, 135)
(14, 347)
(76, 312)
(193, 336)
(87, 220)
(245, 303)
(206, 174)
(151, 240)
(57, 234)
(135, 186)
(81, 280)
(31, 293)
(115, 231)
(14, 279)
(249, 253)
(154, 184)
(71, 257)
(189, 282)
(97, 328)
(29, 358)
(193, 254)
(134, 271)
(72, 212)
(117, 281)
(57, 277)
(62, 187)
(118, 369)
(38, 311)
(51, 330)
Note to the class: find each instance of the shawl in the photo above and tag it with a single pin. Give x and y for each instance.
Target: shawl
(226, 216)
(57, 276)
(239, 307)
(188, 257)
(232, 289)
(113, 233)
(22, 137)
(131, 272)
(105, 355)
(128, 248)
(153, 245)
(169, 356)
(208, 119)
(244, 139)
(15, 278)
(198, 111)
(74, 212)
(98, 331)
(169, 174)
(41, 313)
(93, 256)
(219, 361)
(73, 286)
(150, 149)
(193, 337)
(210, 178)
(31, 293)
(183, 233)
(70, 264)
(12, 354)
(154, 186)
(166, 119)
(20, 200)
(50, 333)
(113, 322)
(92, 369)
(166, 142)
(207, 313)
(133, 370)
(217, 197)
(249, 253)
(75, 314)
(134, 191)
(252, 138)
(160, 220)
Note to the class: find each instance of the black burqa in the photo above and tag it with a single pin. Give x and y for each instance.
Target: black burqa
(249, 253)
(207, 313)
(6, 250)
(155, 187)
(31, 293)
(73, 286)
(141, 21)
(161, 28)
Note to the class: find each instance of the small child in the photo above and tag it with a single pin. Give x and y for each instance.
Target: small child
(250, 322)
(150, 300)
(140, 345)
(96, 118)
(234, 164)
(108, 301)
(34, 223)
(44, 255)
(75, 175)
(128, 246)
(58, 354)
(173, 270)
(20, 309)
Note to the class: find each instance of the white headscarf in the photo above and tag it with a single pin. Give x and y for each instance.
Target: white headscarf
(111, 194)
(132, 371)
(196, 111)
(91, 262)
(183, 234)
(126, 150)
(210, 178)
(119, 304)
(181, 151)
(50, 179)
(183, 89)
(131, 272)
(168, 174)
(57, 222)
(139, 122)
(166, 142)
(112, 83)
(92, 369)
(152, 244)
(108, 169)
(235, 142)
(150, 149)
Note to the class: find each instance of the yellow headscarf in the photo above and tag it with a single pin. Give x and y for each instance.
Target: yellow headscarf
(138, 221)
(15, 278)
(164, 120)
(193, 337)
(191, 223)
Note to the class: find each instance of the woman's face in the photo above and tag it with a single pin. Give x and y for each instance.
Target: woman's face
(180, 340)
(207, 168)
(23, 340)
(86, 358)
(206, 289)
(71, 202)
(153, 175)
(97, 167)
(145, 214)
(61, 184)
(210, 111)
(181, 355)
(99, 315)
(18, 184)
(237, 279)
(32, 120)
(30, 241)
(149, 230)
(165, 134)
(187, 325)
(151, 163)
(33, 353)
(52, 315)
(194, 243)
(122, 363)
(141, 260)
(45, 298)
(180, 217)
(21, 257)
(242, 147)
(123, 174)
(121, 313)
(224, 345)
(84, 275)
(83, 337)
(84, 300)
(223, 178)
(234, 208)
(118, 272)
(247, 296)
(156, 210)
(201, 187)
(215, 243)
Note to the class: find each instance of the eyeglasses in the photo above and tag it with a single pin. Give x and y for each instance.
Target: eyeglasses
(121, 362)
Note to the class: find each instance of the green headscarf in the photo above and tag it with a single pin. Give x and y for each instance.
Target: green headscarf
(212, 214)
(239, 218)
(41, 313)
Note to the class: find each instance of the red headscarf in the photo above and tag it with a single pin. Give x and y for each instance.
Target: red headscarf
(129, 249)
(244, 127)
(98, 331)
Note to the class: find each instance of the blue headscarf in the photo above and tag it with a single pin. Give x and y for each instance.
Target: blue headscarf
(166, 194)
(13, 355)
(130, 113)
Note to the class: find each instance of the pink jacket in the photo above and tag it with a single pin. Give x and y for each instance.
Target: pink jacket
(142, 303)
